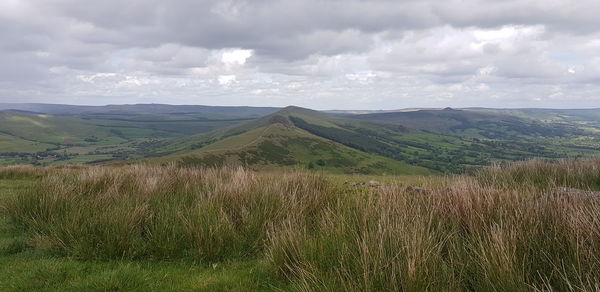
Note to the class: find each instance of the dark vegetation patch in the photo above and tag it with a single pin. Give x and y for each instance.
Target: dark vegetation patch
(268, 152)
(445, 154)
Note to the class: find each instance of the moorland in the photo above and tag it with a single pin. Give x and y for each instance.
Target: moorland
(426, 141)
(529, 226)
(197, 198)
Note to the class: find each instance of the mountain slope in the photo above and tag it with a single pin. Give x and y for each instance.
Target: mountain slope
(471, 123)
(445, 141)
(395, 143)
(274, 142)
(45, 134)
(417, 141)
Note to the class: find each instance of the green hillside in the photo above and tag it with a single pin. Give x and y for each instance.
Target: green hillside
(448, 141)
(51, 129)
(281, 144)
(44, 134)
(419, 141)
(507, 134)
(473, 123)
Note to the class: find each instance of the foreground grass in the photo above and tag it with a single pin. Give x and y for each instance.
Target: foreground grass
(506, 229)
(25, 268)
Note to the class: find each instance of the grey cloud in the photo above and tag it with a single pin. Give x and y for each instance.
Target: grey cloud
(380, 53)
(265, 25)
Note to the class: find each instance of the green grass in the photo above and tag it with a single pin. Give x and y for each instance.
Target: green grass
(278, 146)
(24, 268)
(49, 129)
(168, 228)
(9, 143)
(581, 174)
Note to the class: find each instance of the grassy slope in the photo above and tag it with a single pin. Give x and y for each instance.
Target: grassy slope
(277, 145)
(463, 139)
(505, 135)
(51, 129)
(107, 133)
(33, 133)
(10, 143)
(458, 145)
(454, 140)
(470, 123)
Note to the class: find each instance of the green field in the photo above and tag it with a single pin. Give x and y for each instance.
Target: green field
(23, 268)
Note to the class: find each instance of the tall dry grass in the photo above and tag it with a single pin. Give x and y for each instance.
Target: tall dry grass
(20, 171)
(582, 173)
(464, 237)
(498, 231)
(162, 212)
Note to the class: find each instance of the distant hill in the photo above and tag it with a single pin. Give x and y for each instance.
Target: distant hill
(484, 124)
(276, 141)
(138, 109)
(50, 133)
(445, 140)
(411, 141)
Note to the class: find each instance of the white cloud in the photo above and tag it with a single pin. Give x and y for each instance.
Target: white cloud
(236, 57)
(361, 76)
(226, 80)
(321, 54)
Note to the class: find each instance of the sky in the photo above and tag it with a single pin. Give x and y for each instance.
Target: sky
(322, 54)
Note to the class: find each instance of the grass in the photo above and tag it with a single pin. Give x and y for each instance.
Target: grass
(169, 228)
(582, 174)
(26, 268)
(9, 143)
(49, 129)
(277, 146)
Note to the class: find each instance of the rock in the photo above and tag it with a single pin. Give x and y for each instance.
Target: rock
(374, 183)
(417, 190)
(354, 184)
(576, 192)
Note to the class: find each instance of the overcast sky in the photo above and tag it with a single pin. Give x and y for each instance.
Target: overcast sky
(327, 54)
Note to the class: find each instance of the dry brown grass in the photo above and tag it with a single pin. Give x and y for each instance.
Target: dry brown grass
(503, 230)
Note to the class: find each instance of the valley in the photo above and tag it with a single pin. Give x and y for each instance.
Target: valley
(394, 142)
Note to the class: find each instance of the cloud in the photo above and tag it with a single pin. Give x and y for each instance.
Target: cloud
(226, 80)
(322, 54)
(236, 57)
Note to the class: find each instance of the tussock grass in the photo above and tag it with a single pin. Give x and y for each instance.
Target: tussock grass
(502, 230)
(20, 171)
(583, 174)
(161, 212)
(464, 237)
